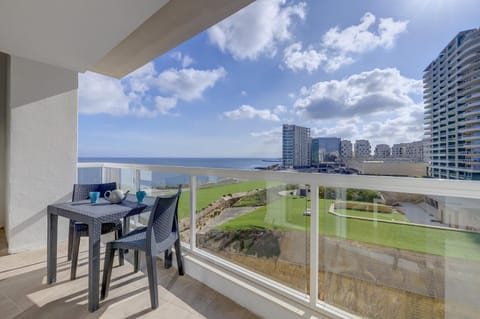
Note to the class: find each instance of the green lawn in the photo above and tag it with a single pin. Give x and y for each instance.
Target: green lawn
(287, 213)
(208, 195)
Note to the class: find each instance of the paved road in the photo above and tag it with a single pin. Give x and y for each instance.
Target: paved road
(227, 215)
(418, 214)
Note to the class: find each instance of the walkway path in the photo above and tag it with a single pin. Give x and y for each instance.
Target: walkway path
(418, 215)
(227, 215)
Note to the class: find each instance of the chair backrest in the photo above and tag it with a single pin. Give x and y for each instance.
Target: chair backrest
(80, 191)
(163, 218)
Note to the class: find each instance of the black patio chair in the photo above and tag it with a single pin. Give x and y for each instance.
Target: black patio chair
(77, 229)
(159, 236)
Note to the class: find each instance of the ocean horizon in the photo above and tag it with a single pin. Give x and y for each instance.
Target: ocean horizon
(125, 176)
(211, 162)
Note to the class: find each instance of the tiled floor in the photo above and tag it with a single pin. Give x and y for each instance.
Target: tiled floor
(25, 294)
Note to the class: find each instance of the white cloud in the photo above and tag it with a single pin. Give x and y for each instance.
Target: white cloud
(165, 104)
(249, 112)
(296, 59)
(280, 109)
(188, 84)
(404, 125)
(101, 94)
(340, 47)
(139, 80)
(270, 137)
(185, 59)
(371, 92)
(358, 38)
(136, 94)
(243, 93)
(257, 29)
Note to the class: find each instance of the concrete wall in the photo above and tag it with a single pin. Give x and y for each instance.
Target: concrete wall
(41, 148)
(3, 133)
(413, 169)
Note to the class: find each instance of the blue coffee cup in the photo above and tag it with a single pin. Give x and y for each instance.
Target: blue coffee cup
(141, 196)
(94, 197)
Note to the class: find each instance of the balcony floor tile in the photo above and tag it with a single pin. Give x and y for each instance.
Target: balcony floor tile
(25, 294)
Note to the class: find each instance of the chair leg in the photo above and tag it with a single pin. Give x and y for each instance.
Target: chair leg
(178, 253)
(152, 280)
(70, 240)
(167, 261)
(75, 250)
(121, 253)
(135, 261)
(107, 270)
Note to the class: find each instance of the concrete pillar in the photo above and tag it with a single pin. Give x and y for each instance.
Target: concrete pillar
(41, 148)
(3, 134)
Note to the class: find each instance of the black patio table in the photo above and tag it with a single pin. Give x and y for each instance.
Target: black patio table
(94, 215)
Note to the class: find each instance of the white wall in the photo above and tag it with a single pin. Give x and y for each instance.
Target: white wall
(3, 132)
(41, 148)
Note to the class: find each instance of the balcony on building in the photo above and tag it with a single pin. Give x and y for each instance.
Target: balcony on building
(304, 245)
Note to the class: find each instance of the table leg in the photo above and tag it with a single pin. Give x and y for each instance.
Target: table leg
(126, 225)
(94, 231)
(52, 221)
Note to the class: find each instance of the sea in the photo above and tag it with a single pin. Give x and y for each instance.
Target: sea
(157, 179)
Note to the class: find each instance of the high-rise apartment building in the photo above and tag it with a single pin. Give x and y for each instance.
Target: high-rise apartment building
(362, 149)
(296, 146)
(325, 149)
(382, 151)
(452, 108)
(346, 149)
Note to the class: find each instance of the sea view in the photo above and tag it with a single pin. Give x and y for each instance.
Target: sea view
(93, 175)
(233, 163)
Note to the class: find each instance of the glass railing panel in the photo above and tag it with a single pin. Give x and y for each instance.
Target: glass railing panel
(89, 175)
(259, 225)
(165, 184)
(397, 255)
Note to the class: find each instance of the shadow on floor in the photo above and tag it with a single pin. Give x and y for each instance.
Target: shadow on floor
(25, 294)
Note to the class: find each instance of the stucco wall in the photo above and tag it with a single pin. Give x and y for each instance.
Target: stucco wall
(42, 148)
(3, 132)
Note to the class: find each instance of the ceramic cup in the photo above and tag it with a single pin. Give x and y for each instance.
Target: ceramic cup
(141, 196)
(94, 197)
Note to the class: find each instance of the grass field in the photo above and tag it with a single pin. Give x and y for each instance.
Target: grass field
(208, 195)
(287, 213)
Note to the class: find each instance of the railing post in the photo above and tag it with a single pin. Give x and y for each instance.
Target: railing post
(314, 245)
(193, 211)
(102, 173)
(137, 179)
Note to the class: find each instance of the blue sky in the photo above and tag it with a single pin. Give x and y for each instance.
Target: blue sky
(350, 69)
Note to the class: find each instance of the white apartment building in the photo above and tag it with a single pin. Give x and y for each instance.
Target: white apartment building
(296, 146)
(452, 108)
(346, 149)
(382, 151)
(399, 150)
(414, 151)
(363, 150)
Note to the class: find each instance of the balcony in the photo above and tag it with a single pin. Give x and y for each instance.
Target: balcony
(25, 295)
(279, 244)
(254, 234)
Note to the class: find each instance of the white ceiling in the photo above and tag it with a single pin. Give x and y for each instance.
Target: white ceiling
(73, 34)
